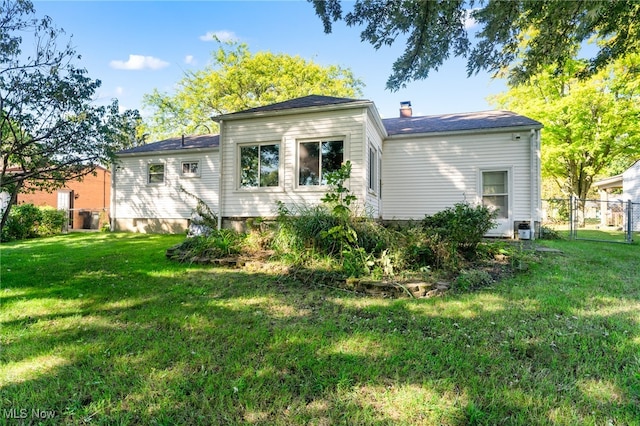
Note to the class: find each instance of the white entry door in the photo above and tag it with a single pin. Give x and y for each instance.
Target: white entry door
(495, 186)
(65, 202)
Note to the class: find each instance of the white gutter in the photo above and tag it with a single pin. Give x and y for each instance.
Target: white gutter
(535, 190)
(168, 151)
(112, 201)
(514, 129)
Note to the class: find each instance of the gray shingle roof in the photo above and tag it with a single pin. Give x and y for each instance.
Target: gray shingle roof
(174, 144)
(303, 102)
(456, 122)
(394, 126)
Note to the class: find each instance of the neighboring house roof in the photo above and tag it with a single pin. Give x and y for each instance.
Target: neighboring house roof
(609, 183)
(176, 144)
(457, 122)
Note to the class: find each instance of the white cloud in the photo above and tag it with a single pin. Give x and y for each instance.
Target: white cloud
(189, 60)
(119, 91)
(469, 22)
(139, 62)
(222, 35)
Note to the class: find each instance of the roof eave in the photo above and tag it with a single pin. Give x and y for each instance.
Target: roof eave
(610, 182)
(167, 151)
(465, 132)
(288, 111)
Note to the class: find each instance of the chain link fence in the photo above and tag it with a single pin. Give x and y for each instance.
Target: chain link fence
(598, 220)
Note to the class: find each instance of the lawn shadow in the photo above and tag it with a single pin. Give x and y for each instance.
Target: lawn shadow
(181, 344)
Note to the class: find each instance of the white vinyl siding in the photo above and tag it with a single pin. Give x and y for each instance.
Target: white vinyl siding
(135, 199)
(427, 174)
(345, 125)
(631, 183)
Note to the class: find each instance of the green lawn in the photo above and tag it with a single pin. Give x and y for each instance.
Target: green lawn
(101, 329)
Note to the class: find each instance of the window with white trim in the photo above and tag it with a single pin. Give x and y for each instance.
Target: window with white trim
(316, 159)
(373, 173)
(495, 191)
(155, 173)
(259, 165)
(191, 168)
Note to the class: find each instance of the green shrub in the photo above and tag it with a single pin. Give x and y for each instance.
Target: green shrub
(22, 223)
(461, 226)
(299, 229)
(217, 244)
(52, 221)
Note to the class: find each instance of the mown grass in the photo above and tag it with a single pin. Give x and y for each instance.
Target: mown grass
(103, 330)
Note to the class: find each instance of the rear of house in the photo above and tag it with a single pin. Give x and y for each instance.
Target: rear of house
(282, 153)
(491, 158)
(155, 186)
(402, 168)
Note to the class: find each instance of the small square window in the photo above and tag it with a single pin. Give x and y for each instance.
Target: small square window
(156, 174)
(191, 168)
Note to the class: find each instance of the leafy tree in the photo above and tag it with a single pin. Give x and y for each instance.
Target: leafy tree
(237, 80)
(590, 125)
(436, 29)
(50, 132)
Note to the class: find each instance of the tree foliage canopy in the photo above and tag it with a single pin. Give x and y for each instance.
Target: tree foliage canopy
(50, 130)
(435, 30)
(591, 126)
(238, 79)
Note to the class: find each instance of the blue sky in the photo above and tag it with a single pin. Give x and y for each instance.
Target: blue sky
(136, 46)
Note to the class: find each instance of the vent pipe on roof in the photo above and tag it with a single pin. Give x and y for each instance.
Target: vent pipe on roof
(182, 139)
(405, 109)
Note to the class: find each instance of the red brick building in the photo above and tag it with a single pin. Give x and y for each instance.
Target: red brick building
(87, 200)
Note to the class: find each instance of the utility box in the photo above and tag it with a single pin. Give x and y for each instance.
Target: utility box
(524, 231)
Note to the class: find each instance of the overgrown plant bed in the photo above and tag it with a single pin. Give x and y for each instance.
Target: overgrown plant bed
(441, 252)
(409, 284)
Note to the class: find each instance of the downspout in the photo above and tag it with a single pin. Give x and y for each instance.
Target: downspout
(112, 209)
(220, 163)
(534, 207)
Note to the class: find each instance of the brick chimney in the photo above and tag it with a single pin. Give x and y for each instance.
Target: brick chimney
(405, 109)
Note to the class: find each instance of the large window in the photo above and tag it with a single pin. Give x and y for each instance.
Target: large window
(259, 165)
(155, 173)
(318, 158)
(495, 191)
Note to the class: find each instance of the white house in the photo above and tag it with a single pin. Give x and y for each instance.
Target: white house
(402, 168)
(629, 183)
